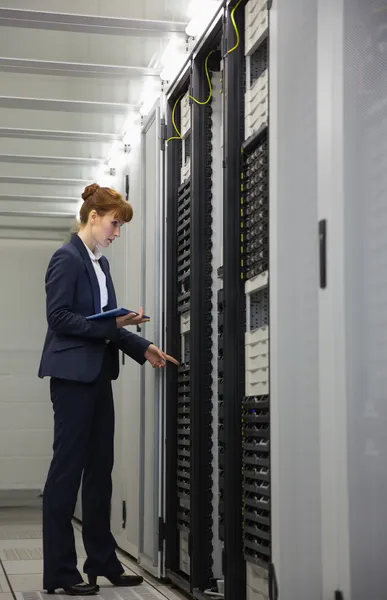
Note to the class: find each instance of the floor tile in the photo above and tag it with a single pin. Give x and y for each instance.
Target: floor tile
(20, 533)
(21, 553)
(4, 587)
(23, 567)
(6, 545)
(171, 594)
(26, 583)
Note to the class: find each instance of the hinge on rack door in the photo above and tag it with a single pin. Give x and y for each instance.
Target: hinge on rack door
(322, 234)
(339, 595)
(273, 583)
(123, 514)
(163, 134)
(161, 533)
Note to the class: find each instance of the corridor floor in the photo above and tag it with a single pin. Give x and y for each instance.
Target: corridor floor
(21, 563)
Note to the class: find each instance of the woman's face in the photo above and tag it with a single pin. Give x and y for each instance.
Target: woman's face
(105, 229)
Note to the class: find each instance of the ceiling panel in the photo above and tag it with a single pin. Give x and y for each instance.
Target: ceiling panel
(73, 74)
(37, 221)
(12, 205)
(54, 148)
(58, 135)
(78, 48)
(164, 10)
(30, 186)
(118, 91)
(41, 119)
(42, 169)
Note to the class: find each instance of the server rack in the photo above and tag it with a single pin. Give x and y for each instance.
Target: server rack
(246, 297)
(201, 309)
(225, 360)
(234, 305)
(178, 408)
(190, 499)
(260, 576)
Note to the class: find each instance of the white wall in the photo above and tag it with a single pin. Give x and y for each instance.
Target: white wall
(125, 268)
(26, 422)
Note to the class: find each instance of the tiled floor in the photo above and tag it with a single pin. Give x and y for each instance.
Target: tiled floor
(21, 563)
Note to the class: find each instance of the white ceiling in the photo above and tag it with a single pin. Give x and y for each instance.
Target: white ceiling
(71, 72)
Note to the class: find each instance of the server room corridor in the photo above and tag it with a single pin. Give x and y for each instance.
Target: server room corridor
(21, 560)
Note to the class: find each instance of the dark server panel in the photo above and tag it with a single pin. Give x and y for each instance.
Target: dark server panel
(183, 382)
(184, 247)
(255, 210)
(201, 331)
(259, 62)
(255, 409)
(221, 411)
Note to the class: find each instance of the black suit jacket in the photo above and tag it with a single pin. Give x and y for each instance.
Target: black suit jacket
(74, 347)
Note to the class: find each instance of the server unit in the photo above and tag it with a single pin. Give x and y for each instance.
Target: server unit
(255, 273)
(193, 166)
(218, 461)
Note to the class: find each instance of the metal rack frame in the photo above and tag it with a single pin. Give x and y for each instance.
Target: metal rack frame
(234, 305)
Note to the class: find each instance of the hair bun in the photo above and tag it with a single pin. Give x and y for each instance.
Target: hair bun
(90, 190)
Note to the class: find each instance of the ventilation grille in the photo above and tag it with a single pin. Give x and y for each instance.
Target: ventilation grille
(256, 476)
(258, 62)
(221, 411)
(184, 246)
(255, 210)
(184, 445)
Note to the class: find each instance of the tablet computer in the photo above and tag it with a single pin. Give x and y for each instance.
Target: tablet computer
(116, 312)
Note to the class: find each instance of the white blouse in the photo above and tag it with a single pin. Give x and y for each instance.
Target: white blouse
(95, 257)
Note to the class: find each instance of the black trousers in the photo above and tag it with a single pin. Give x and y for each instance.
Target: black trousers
(83, 444)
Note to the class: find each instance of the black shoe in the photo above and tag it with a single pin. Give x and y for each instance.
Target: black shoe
(120, 580)
(80, 589)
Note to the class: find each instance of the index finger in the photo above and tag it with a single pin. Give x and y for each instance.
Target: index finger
(171, 359)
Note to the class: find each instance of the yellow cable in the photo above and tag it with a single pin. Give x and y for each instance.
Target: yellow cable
(209, 83)
(235, 28)
(179, 136)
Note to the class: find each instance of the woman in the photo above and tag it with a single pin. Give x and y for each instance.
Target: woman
(81, 358)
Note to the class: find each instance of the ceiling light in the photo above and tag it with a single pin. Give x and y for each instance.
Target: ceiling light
(200, 13)
(173, 58)
(150, 93)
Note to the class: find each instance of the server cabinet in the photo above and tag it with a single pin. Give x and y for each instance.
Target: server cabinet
(294, 302)
(352, 203)
(193, 158)
(152, 434)
(233, 304)
(178, 413)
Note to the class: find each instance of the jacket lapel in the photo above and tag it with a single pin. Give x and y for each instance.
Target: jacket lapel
(112, 300)
(76, 240)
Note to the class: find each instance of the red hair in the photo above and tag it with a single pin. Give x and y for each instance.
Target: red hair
(104, 200)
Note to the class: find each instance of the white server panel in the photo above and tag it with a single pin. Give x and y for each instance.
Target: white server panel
(256, 582)
(185, 115)
(257, 362)
(257, 105)
(256, 24)
(185, 172)
(185, 562)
